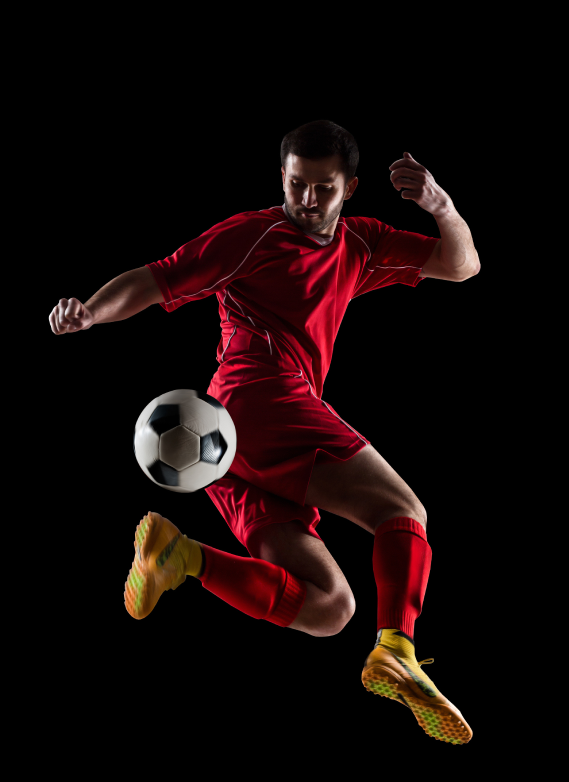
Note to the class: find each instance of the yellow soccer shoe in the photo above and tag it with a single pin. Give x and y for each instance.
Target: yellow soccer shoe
(162, 557)
(392, 670)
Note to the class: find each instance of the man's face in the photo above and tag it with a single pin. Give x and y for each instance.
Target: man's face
(315, 191)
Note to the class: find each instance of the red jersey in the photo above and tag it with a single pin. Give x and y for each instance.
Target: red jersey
(288, 287)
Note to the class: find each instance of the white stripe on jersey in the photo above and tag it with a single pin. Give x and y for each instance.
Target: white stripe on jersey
(379, 266)
(191, 295)
(324, 403)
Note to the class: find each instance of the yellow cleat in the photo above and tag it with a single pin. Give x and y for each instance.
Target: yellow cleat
(401, 678)
(159, 564)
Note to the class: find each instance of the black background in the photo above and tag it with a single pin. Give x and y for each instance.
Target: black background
(413, 370)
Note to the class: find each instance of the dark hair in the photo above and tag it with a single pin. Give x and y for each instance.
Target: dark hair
(320, 139)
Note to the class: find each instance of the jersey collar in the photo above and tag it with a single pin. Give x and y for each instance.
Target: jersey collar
(320, 239)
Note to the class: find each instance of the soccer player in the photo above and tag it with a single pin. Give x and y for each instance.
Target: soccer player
(284, 277)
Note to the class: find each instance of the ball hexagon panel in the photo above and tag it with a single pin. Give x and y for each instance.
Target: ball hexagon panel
(165, 417)
(198, 416)
(212, 401)
(212, 448)
(227, 431)
(172, 398)
(179, 448)
(164, 474)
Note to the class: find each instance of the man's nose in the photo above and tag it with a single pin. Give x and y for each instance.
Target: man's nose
(309, 199)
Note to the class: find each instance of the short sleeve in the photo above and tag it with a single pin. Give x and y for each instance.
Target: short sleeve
(393, 256)
(209, 263)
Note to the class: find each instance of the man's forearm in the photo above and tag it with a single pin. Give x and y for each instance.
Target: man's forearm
(124, 296)
(458, 253)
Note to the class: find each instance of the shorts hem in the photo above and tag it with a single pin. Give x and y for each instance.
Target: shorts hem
(251, 528)
(329, 457)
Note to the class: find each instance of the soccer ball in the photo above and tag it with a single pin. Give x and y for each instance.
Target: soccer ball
(184, 440)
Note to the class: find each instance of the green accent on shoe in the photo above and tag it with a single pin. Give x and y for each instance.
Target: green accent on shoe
(141, 532)
(419, 682)
(383, 688)
(164, 555)
(434, 725)
(136, 582)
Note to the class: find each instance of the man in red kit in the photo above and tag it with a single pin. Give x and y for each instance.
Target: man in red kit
(284, 277)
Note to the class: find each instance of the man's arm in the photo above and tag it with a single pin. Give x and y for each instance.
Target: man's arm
(454, 258)
(121, 298)
(125, 296)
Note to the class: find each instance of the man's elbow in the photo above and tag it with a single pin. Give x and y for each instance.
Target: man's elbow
(473, 270)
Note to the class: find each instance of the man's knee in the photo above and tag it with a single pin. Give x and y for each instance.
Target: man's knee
(420, 515)
(334, 613)
(414, 511)
(346, 608)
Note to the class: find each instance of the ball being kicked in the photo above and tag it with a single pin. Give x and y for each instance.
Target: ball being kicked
(184, 440)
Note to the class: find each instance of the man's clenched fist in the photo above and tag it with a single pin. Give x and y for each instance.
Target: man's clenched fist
(70, 315)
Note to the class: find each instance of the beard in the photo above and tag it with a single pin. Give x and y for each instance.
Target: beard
(312, 226)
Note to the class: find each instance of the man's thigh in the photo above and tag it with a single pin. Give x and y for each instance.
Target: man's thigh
(364, 489)
(289, 545)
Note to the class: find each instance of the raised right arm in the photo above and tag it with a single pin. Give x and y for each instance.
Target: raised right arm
(121, 298)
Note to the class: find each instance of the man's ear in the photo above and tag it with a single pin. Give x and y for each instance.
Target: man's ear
(351, 186)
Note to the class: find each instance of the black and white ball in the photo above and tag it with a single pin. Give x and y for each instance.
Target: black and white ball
(185, 440)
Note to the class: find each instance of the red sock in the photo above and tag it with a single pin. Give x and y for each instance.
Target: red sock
(401, 566)
(258, 588)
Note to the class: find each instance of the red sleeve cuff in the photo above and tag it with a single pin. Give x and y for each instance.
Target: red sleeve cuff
(160, 278)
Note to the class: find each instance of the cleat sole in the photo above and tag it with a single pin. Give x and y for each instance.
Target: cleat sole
(437, 720)
(140, 582)
(145, 583)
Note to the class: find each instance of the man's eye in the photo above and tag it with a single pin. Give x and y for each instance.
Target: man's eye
(297, 184)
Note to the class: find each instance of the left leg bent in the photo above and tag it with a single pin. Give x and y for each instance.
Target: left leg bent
(329, 603)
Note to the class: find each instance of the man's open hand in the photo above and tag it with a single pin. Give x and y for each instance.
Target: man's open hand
(422, 188)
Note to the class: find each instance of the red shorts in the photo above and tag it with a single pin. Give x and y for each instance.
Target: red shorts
(283, 429)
